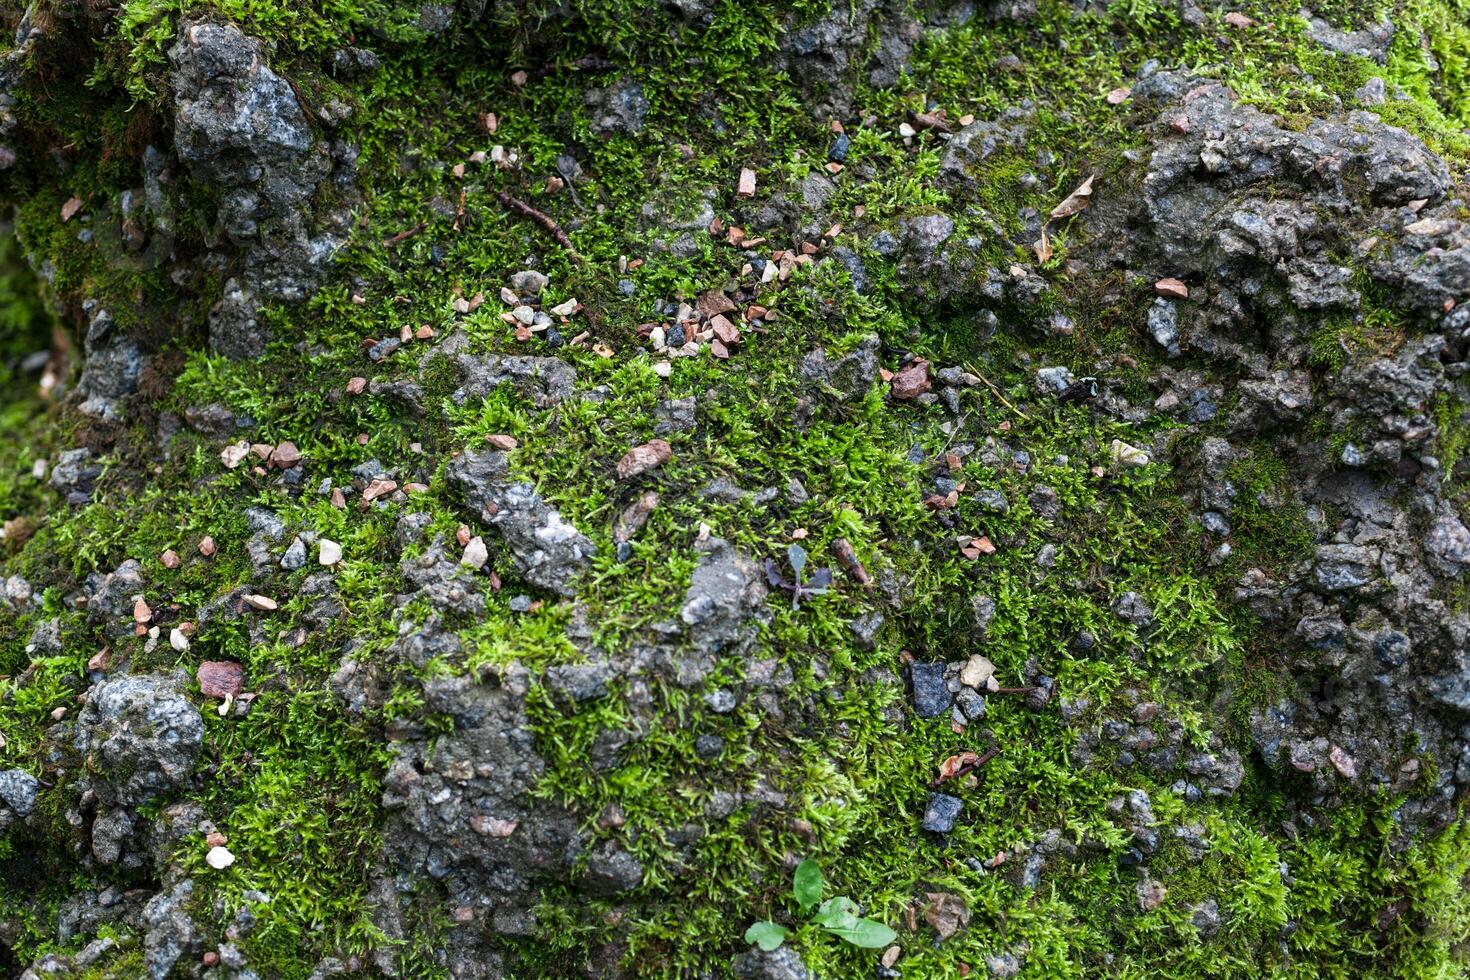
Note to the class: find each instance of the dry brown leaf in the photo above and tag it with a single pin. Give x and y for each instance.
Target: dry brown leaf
(952, 765)
(947, 914)
(1042, 247)
(1076, 202)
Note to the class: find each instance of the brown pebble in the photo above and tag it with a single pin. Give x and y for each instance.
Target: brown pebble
(1172, 288)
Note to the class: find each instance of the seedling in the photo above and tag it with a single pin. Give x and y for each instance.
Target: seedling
(837, 915)
(821, 579)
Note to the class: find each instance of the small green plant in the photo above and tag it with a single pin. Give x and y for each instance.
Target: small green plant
(820, 581)
(837, 915)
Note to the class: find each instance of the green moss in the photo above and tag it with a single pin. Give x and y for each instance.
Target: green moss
(296, 784)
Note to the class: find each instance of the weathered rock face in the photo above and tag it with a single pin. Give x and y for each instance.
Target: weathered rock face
(544, 381)
(549, 551)
(1253, 217)
(723, 596)
(140, 738)
(460, 816)
(241, 131)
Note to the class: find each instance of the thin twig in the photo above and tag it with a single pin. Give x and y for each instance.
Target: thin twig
(404, 236)
(971, 368)
(847, 557)
(543, 219)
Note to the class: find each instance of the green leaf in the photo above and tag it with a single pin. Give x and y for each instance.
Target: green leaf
(837, 913)
(867, 933)
(796, 554)
(807, 885)
(767, 935)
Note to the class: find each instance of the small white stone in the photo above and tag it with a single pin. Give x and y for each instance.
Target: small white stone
(508, 297)
(233, 455)
(1128, 455)
(38, 469)
(524, 314)
(977, 671)
(329, 552)
(565, 309)
(663, 369)
(178, 640)
(475, 553)
(219, 858)
(656, 337)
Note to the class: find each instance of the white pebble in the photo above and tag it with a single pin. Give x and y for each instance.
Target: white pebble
(219, 858)
(178, 640)
(329, 553)
(475, 553)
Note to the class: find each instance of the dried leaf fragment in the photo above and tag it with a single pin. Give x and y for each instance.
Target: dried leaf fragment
(947, 914)
(953, 764)
(1075, 202)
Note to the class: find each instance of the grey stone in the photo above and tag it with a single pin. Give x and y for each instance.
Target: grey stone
(724, 595)
(620, 108)
(611, 870)
(931, 694)
(941, 812)
(783, 963)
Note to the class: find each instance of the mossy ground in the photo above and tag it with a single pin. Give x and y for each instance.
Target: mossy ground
(296, 785)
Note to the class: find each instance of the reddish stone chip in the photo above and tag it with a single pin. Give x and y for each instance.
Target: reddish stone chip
(220, 678)
(641, 459)
(912, 380)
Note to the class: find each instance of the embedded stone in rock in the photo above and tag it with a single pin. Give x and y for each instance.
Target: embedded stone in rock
(849, 375)
(941, 812)
(783, 963)
(242, 133)
(619, 108)
(724, 594)
(1448, 542)
(611, 870)
(75, 475)
(140, 735)
(549, 551)
(460, 812)
(18, 791)
(544, 381)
